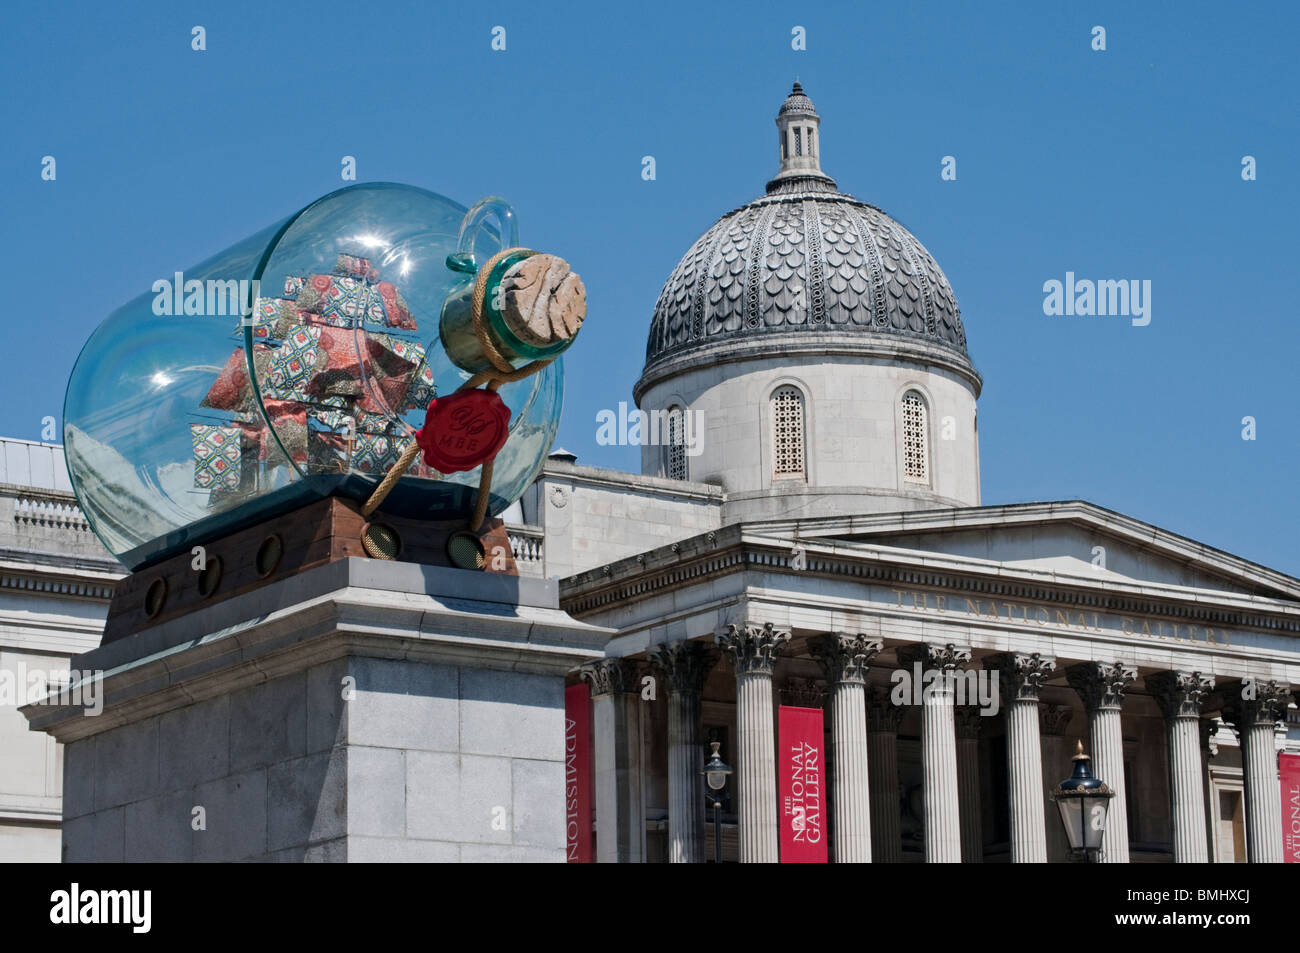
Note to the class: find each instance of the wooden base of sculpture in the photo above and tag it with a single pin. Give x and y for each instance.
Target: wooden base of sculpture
(250, 558)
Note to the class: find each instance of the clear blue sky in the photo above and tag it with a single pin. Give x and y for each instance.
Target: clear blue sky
(1122, 164)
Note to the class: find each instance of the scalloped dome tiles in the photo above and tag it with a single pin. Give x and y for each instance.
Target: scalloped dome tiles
(805, 257)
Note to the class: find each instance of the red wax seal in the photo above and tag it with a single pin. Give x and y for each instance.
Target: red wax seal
(463, 430)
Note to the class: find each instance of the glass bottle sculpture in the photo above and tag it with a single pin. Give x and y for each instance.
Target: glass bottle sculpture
(300, 362)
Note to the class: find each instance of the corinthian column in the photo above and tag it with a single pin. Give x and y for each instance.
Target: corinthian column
(616, 730)
(684, 666)
(1052, 722)
(938, 748)
(1254, 711)
(969, 722)
(845, 658)
(1020, 678)
(753, 650)
(1101, 687)
(883, 719)
(1180, 696)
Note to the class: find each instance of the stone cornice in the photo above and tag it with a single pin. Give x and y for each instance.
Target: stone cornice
(15, 490)
(348, 607)
(64, 576)
(631, 482)
(1137, 533)
(799, 343)
(733, 549)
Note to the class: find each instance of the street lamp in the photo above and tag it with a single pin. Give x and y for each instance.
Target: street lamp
(716, 772)
(1082, 801)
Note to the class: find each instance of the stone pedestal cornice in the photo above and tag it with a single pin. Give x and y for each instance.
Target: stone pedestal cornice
(344, 608)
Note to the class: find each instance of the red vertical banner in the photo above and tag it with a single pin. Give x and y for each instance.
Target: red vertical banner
(1289, 768)
(577, 774)
(802, 811)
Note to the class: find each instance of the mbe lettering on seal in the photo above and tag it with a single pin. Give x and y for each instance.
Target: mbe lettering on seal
(802, 813)
(466, 426)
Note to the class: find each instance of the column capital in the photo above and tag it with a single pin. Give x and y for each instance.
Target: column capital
(611, 676)
(969, 722)
(753, 648)
(803, 692)
(1180, 694)
(1054, 719)
(1101, 684)
(1025, 672)
(845, 656)
(1255, 702)
(944, 657)
(685, 665)
(882, 714)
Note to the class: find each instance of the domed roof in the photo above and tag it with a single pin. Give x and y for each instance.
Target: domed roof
(806, 258)
(797, 102)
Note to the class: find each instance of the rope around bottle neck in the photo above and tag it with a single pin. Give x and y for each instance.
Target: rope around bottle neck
(501, 372)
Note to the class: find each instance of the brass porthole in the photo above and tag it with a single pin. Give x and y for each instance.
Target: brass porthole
(465, 551)
(210, 576)
(155, 597)
(381, 541)
(268, 555)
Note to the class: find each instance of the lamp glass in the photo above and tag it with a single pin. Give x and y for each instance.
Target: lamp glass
(1094, 808)
(1071, 809)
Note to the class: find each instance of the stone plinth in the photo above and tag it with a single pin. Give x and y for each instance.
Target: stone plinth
(357, 711)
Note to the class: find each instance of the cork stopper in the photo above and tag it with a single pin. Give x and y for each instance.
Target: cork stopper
(543, 301)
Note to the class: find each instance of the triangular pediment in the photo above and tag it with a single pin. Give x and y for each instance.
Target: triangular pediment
(1073, 538)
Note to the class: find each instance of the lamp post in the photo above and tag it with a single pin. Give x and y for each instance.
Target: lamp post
(716, 772)
(1082, 801)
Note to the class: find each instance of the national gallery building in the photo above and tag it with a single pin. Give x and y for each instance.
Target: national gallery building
(816, 535)
(801, 582)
